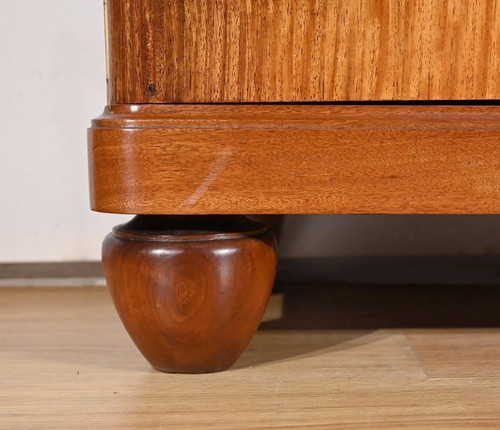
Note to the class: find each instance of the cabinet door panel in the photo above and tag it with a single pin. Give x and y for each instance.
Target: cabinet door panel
(302, 50)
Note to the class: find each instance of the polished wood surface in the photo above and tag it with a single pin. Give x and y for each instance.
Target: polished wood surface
(191, 291)
(327, 357)
(203, 51)
(279, 159)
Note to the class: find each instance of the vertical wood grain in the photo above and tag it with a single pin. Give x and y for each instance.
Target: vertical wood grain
(308, 50)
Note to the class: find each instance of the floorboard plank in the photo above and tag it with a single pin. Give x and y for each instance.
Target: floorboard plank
(67, 362)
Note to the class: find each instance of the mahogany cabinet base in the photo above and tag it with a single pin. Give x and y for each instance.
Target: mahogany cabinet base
(190, 290)
(295, 159)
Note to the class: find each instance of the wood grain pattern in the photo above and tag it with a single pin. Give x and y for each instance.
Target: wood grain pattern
(67, 362)
(205, 51)
(280, 159)
(479, 360)
(191, 291)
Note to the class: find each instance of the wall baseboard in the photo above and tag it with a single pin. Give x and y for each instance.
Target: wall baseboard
(393, 270)
(53, 270)
(385, 270)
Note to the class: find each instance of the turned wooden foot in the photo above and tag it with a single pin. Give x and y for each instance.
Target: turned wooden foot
(191, 290)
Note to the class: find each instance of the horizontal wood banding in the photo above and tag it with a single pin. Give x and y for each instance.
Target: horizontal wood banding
(295, 159)
(205, 51)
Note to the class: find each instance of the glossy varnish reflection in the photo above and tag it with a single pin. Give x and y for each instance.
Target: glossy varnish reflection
(278, 159)
(190, 291)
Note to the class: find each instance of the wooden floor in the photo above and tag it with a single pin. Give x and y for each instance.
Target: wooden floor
(327, 356)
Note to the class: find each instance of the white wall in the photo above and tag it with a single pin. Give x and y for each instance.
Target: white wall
(52, 82)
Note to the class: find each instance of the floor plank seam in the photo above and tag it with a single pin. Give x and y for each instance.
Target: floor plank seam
(417, 356)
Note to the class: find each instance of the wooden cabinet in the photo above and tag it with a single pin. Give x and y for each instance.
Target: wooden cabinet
(294, 106)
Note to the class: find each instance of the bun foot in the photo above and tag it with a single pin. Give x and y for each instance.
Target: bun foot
(191, 290)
